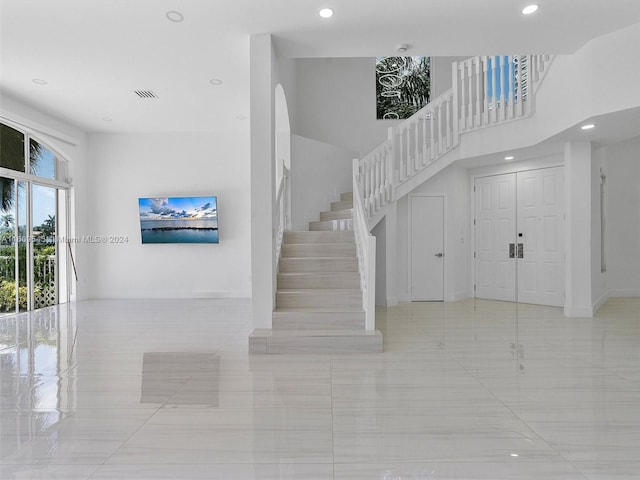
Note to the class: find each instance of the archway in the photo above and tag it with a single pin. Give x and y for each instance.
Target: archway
(282, 133)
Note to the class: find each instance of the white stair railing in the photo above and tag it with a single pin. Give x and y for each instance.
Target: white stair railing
(424, 137)
(497, 89)
(282, 211)
(375, 178)
(365, 250)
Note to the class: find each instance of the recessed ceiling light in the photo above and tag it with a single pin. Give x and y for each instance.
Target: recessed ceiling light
(529, 9)
(175, 16)
(326, 13)
(588, 126)
(39, 81)
(215, 81)
(509, 157)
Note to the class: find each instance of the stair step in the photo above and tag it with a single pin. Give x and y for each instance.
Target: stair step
(346, 197)
(318, 250)
(319, 297)
(315, 341)
(336, 215)
(318, 319)
(318, 264)
(342, 205)
(334, 225)
(319, 237)
(319, 280)
(319, 301)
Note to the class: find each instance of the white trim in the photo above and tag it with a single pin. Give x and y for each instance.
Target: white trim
(600, 302)
(457, 296)
(585, 311)
(35, 128)
(230, 294)
(404, 298)
(623, 292)
(27, 177)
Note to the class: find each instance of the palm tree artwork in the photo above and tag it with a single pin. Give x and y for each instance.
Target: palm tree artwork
(402, 86)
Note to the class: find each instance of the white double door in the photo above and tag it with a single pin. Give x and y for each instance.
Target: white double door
(519, 232)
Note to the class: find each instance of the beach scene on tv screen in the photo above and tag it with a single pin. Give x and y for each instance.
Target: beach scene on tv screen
(179, 220)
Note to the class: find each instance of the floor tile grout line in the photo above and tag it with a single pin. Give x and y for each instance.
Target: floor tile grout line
(126, 440)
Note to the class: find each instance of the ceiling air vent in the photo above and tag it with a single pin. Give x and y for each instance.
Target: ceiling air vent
(145, 94)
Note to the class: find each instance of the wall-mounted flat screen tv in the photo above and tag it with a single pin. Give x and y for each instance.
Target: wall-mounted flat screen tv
(179, 219)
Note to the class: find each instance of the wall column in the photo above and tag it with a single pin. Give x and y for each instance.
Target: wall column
(262, 179)
(578, 241)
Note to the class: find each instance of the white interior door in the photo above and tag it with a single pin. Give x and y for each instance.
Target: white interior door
(495, 233)
(540, 231)
(520, 238)
(427, 249)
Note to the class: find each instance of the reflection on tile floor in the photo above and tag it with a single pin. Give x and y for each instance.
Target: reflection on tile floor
(164, 389)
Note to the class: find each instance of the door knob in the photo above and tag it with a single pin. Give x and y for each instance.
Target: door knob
(439, 255)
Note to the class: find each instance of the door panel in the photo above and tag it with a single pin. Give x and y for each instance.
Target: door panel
(495, 228)
(427, 248)
(540, 228)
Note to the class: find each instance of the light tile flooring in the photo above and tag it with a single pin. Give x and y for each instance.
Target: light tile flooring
(468, 390)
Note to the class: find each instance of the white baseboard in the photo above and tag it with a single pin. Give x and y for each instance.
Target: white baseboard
(230, 295)
(623, 292)
(392, 301)
(404, 297)
(600, 302)
(578, 311)
(456, 296)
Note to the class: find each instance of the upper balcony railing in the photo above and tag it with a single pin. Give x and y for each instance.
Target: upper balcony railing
(485, 91)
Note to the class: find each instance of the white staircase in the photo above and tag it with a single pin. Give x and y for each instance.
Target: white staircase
(318, 299)
(325, 297)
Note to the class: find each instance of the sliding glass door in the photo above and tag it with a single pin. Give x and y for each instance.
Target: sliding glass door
(33, 202)
(29, 273)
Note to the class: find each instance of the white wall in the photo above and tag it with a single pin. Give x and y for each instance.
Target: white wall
(623, 218)
(124, 167)
(320, 172)
(441, 74)
(453, 184)
(599, 78)
(336, 103)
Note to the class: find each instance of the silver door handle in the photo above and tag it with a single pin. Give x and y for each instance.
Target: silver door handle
(439, 255)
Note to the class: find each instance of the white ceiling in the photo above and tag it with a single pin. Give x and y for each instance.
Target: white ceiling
(95, 53)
